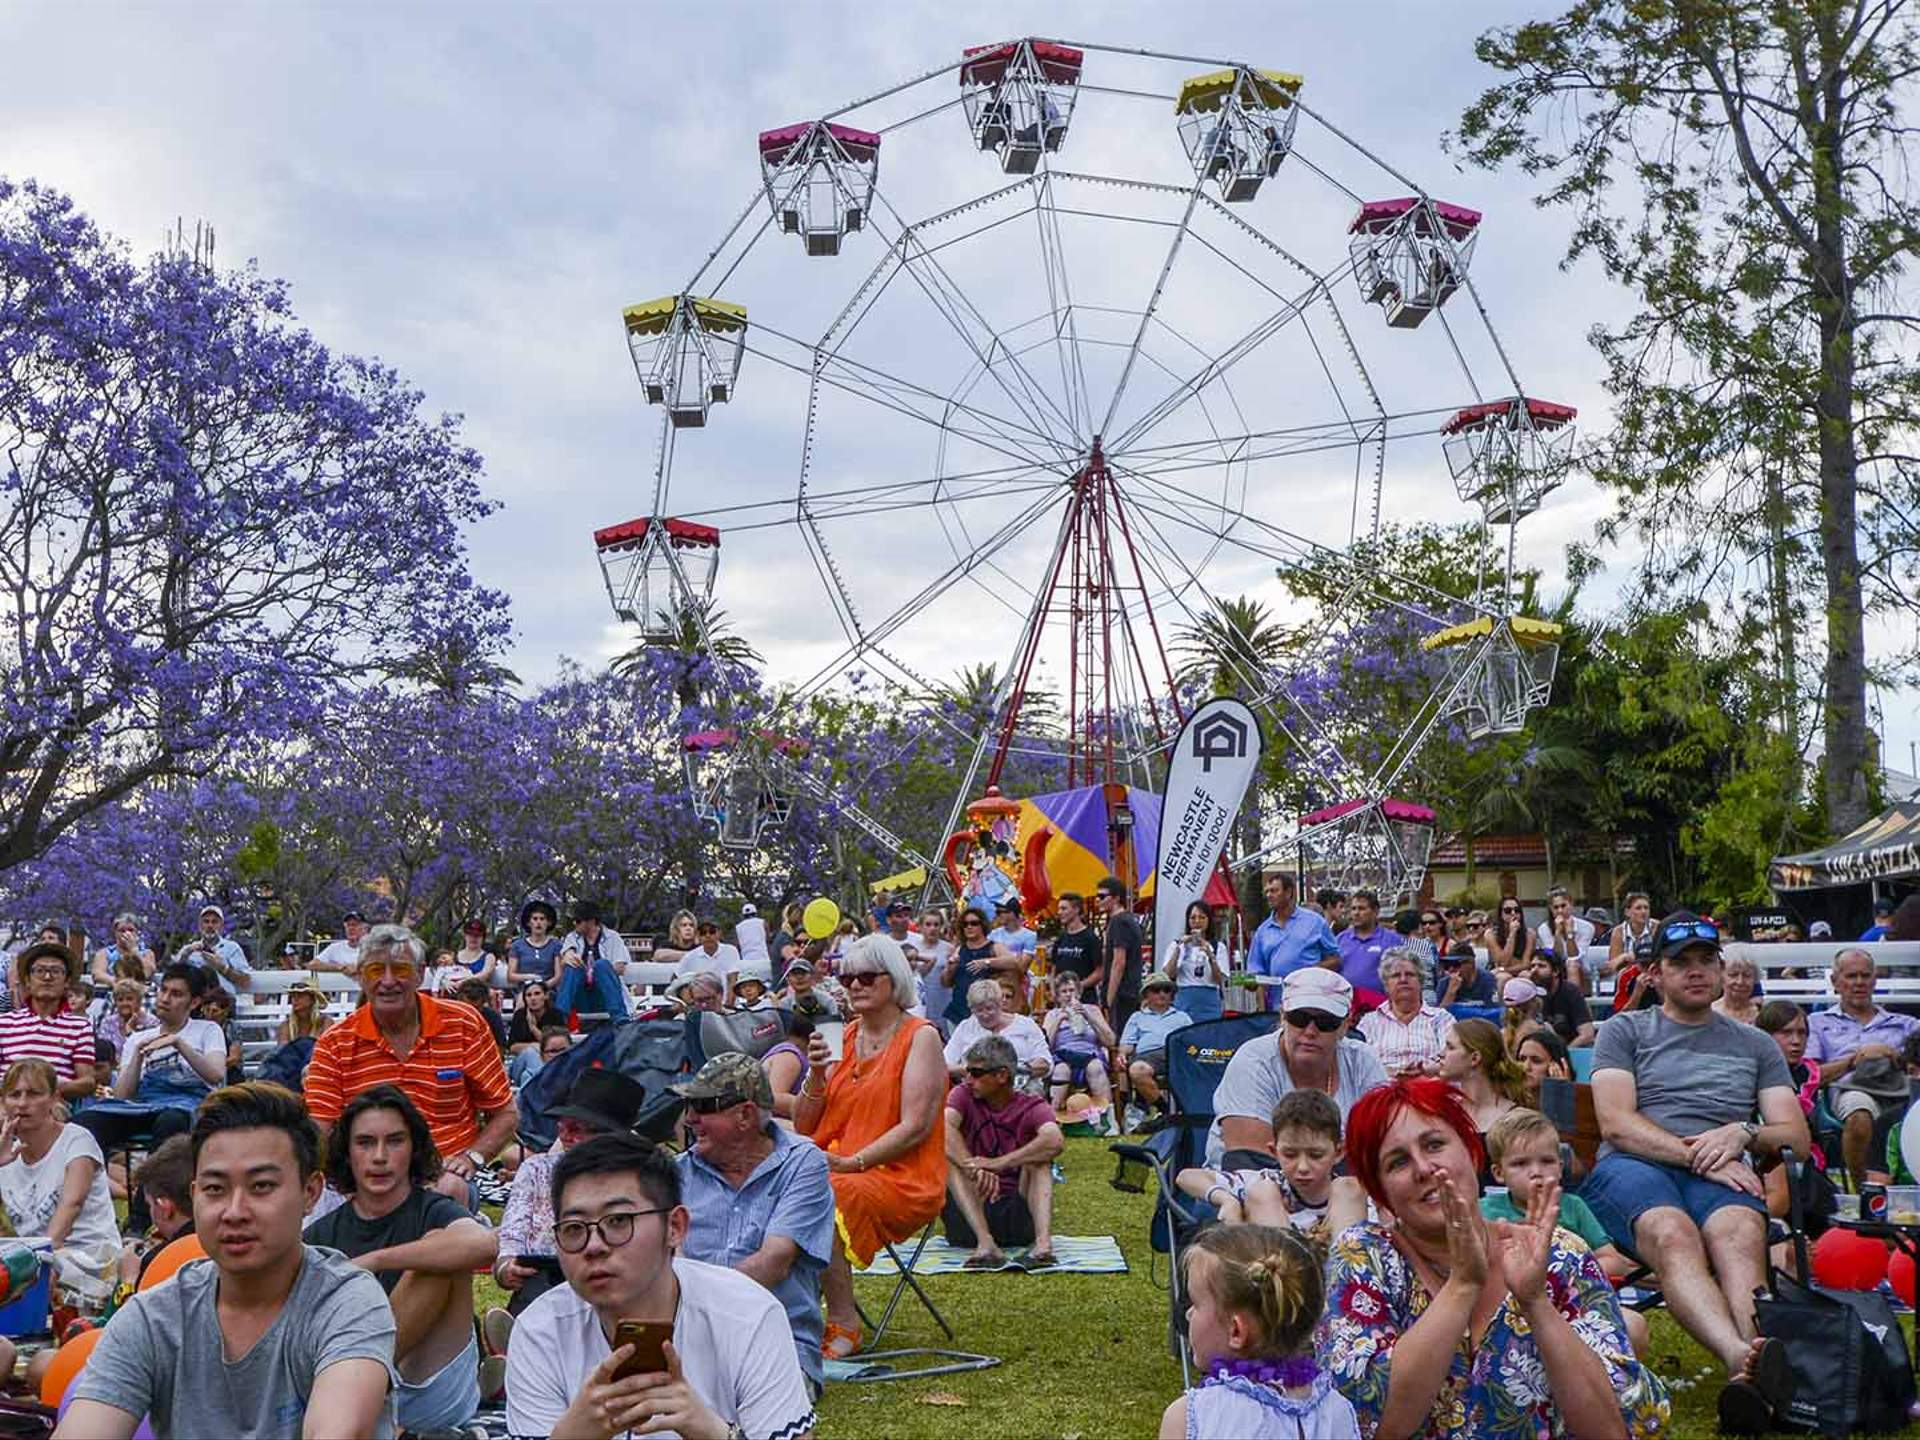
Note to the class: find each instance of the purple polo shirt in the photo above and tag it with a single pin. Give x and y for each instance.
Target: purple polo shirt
(1360, 959)
(1832, 1033)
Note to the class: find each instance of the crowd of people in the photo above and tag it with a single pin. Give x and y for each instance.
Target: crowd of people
(1382, 1177)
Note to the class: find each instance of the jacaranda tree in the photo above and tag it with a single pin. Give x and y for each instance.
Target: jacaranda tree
(207, 518)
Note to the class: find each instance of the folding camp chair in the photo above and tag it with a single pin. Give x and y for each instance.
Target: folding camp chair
(1197, 1057)
(872, 1359)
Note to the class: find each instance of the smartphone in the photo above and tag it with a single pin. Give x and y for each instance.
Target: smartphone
(834, 1032)
(648, 1338)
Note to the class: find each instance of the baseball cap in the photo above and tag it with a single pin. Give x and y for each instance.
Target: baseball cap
(1519, 991)
(1317, 988)
(747, 910)
(734, 1077)
(1681, 929)
(473, 927)
(1883, 907)
(605, 1099)
(901, 907)
(1008, 903)
(353, 915)
(1820, 930)
(206, 910)
(800, 962)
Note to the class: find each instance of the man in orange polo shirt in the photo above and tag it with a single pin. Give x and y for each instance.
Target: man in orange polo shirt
(440, 1052)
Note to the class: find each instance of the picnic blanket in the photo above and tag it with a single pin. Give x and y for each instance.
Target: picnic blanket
(1078, 1255)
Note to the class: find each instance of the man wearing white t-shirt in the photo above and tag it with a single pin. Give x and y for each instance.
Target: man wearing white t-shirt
(730, 1367)
(711, 956)
(343, 956)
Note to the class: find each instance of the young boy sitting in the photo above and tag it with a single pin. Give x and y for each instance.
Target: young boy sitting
(1302, 1191)
(1523, 1150)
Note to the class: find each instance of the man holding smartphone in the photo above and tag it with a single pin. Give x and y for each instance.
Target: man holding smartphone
(729, 1368)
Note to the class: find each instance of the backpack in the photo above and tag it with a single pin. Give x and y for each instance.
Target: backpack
(657, 1053)
(1851, 1369)
(287, 1064)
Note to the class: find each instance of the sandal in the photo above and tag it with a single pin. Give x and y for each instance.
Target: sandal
(1039, 1260)
(838, 1335)
(995, 1261)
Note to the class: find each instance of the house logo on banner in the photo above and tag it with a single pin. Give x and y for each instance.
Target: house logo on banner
(1214, 761)
(1222, 737)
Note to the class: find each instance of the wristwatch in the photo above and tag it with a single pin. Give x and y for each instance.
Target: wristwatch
(1752, 1130)
(479, 1160)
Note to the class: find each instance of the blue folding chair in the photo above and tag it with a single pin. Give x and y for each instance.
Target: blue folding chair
(1197, 1057)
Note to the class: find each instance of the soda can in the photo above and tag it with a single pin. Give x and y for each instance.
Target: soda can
(1873, 1203)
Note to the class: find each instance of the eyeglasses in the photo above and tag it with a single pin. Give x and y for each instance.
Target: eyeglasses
(1317, 1019)
(860, 977)
(398, 969)
(615, 1230)
(707, 1105)
(48, 972)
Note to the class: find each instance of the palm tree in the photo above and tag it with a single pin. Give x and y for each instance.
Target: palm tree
(1229, 648)
(453, 665)
(974, 690)
(688, 647)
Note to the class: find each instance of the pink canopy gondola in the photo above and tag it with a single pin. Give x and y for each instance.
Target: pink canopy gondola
(1545, 414)
(631, 533)
(858, 144)
(1378, 214)
(1404, 810)
(987, 63)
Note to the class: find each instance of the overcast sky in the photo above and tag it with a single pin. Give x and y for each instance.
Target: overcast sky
(472, 192)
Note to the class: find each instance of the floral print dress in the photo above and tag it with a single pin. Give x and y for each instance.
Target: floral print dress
(1497, 1390)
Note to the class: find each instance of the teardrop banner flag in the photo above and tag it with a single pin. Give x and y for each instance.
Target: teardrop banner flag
(1214, 760)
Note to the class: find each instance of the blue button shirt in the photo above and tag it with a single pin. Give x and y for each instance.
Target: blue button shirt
(1147, 1032)
(1306, 939)
(787, 1194)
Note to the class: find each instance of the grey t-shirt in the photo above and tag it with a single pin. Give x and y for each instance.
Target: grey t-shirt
(162, 1352)
(1689, 1078)
(1255, 1080)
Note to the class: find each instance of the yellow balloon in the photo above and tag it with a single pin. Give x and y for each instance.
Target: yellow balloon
(821, 917)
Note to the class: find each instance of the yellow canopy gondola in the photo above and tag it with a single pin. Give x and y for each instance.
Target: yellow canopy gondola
(651, 317)
(906, 880)
(1526, 630)
(1273, 89)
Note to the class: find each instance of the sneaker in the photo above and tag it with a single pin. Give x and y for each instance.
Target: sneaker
(1135, 1118)
(496, 1328)
(493, 1377)
(1059, 1175)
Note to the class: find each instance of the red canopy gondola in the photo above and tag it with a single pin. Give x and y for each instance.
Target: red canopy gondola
(631, 533)
(987, 63)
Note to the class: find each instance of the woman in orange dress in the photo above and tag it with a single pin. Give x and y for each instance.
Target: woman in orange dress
(876, 1113)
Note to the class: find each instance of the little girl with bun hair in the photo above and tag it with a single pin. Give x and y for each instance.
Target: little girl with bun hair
(1254, 1296)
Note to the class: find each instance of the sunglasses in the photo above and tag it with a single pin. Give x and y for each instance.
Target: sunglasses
(860, 977)
(1691, 930)
(398, 969)
(977, 1071)
(1315, 1019)
(714, 1104)
(1432, 920)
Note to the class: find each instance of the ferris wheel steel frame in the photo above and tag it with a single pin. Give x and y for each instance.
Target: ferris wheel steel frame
(1045, 450)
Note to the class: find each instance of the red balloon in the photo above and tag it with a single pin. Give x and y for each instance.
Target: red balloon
(1900, 1274)
(1844, 1260)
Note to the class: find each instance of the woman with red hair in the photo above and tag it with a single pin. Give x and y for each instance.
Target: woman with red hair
(1445, 1323)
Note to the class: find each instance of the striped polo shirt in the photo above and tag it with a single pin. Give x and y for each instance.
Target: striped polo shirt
(453, 1073)
(64, 1040)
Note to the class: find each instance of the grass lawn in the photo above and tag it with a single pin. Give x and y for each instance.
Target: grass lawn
(1086, 1355)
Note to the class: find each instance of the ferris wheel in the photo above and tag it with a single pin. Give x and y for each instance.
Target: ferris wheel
(1031, 359)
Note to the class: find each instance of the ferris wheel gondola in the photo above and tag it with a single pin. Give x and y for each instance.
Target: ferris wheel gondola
(1099, 397)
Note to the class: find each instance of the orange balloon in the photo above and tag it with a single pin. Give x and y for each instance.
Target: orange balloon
(172, 1256)
(65, 1369)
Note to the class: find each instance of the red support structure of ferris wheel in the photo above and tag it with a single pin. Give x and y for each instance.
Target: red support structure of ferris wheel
(1098, 620)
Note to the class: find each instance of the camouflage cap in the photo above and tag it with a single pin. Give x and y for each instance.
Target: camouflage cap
(734, 1077)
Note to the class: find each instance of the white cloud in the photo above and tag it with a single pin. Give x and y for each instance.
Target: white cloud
(472, 193)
